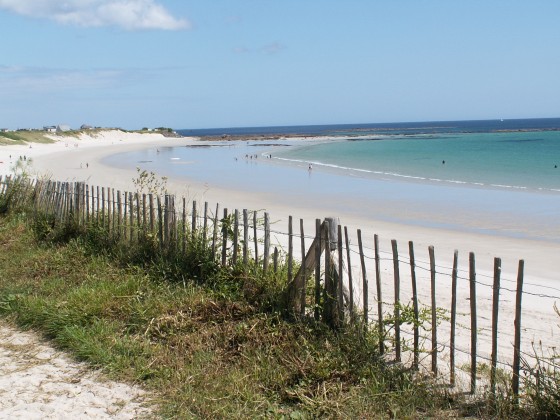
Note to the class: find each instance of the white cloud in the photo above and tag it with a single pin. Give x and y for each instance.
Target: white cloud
(127, 14)
(272, 48)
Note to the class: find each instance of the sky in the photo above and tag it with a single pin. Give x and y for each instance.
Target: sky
(240, 63)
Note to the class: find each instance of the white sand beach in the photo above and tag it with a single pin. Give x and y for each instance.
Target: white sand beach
(39, 382)
(81, 160)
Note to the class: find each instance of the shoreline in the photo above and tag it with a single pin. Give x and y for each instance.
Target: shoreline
(540, 256)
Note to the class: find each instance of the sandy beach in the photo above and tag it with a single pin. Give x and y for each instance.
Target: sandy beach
(82, 160)
(39, 382)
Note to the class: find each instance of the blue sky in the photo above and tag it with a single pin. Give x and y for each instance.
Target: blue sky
(226, 63)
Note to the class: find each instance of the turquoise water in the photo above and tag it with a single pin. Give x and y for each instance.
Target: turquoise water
(521, 160)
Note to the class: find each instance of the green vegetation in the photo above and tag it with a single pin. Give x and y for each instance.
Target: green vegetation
(208, 341)
(22, 137)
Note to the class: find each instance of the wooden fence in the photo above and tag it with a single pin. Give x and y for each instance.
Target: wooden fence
(327, 285)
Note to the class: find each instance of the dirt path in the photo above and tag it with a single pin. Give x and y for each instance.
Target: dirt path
(39, 382)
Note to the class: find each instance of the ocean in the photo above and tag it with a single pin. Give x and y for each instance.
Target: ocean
(517, 154)
(491, 177)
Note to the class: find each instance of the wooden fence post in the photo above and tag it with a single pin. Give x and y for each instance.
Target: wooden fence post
(255, 238)
(327, 287)
(235, 236)
(215, 232)
(131, 214)
(275, 260)
(290, 257)
(205, 227)
(115, 215)
(152, 213)
(416, 349)
(397, 312)
(103, 207)
(110, 215)
(495, 304)
(434, 307)
(472, 282)
(138, 216)
(517, 326)
(453, 318)
(350, 285)
(98, 204)
(125, 215)
(119, 215)
(87, 205)
(266, 241)
(302, 296)
(318, 240)
(224, 237)
(193, 221)
(380, 328)
(184, 226)
(364, 279)
(245, 238)
(160, 221)
(144, 215)
(340, 284)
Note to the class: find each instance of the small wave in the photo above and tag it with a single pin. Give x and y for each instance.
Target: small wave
(514, 187)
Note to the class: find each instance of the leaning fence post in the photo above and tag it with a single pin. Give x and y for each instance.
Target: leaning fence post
(517, 325)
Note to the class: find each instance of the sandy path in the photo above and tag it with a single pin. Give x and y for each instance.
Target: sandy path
(39, 382)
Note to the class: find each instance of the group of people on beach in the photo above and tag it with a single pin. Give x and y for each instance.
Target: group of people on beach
(24, 158)
(255, 156)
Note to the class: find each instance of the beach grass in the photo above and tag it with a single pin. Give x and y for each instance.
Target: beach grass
(23, 137)
(207, 341)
